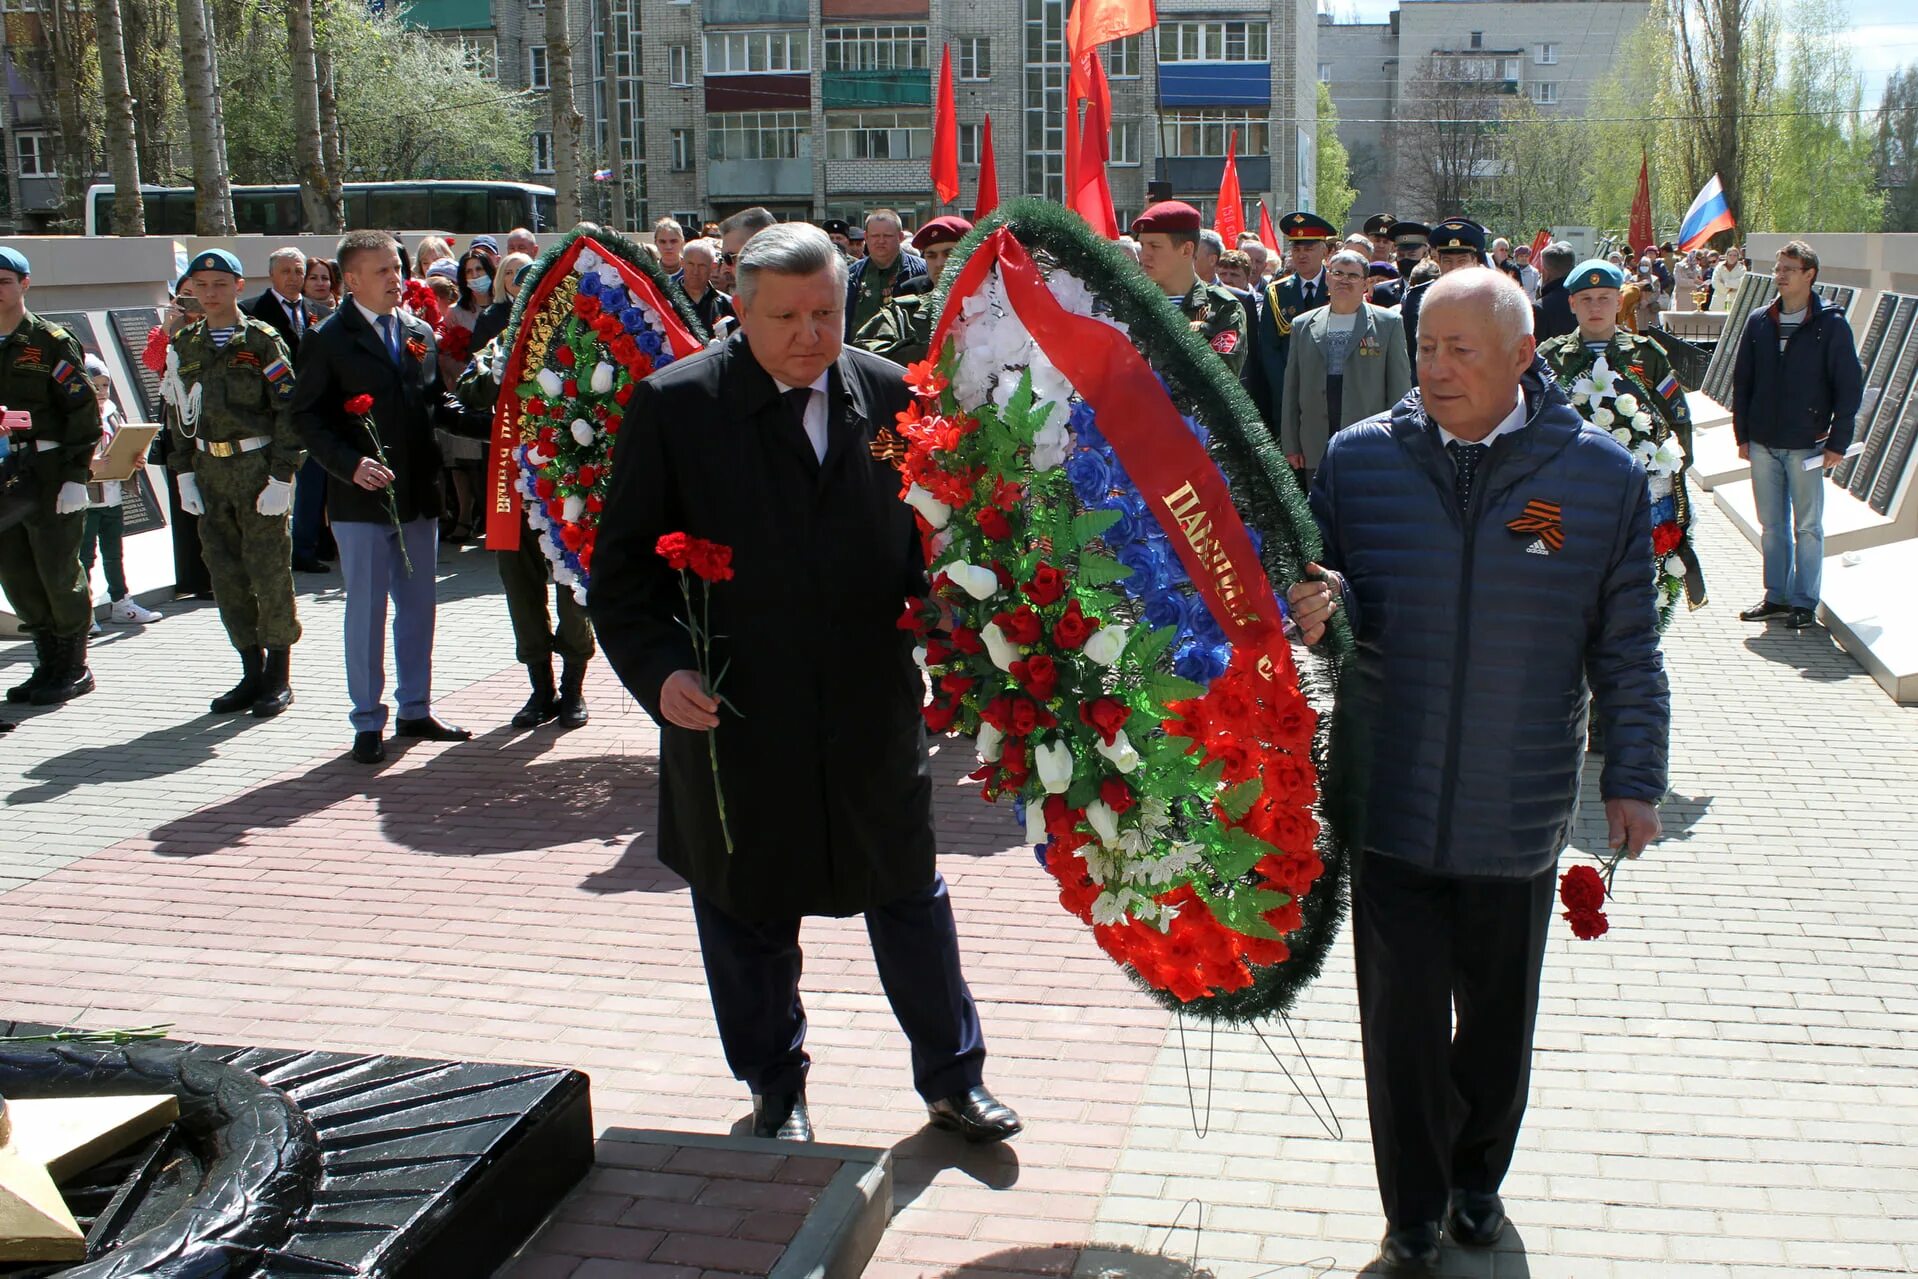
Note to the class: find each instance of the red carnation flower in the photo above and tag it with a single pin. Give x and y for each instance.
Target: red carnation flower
(588, 476)
(1581, 889)
(1106, 717)
(1587, 924)
(360, 405)
(1116, 794)
(623, 394)
(1666, 537)
(154, 356)
(711, 561)
(1073, 627)
(573, 536)
(674, 549)
(993, 523)
(593, 503)
(569, 388)
(1048, 584)
(565, 356)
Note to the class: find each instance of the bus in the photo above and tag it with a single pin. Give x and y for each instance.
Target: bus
(462, 208)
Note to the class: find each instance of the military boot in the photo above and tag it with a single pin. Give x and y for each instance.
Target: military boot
(243, 694)
(42, 669)
(276, 692)
(571, 710)
(70, 677)
(539, 707)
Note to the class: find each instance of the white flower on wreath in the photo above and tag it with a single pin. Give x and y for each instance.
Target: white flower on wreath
(586, 261)
(1623, 434)
(1052, 445)
(1104, 822)
(1626, 404)
(1642, 421)
(1668, 457)
(1000, 649)
(602, 378)
(1053, 762)
(1106, 644)
(1674, 567)
(935, 512)
(573, 508)
(991, 743)
(550, 383)
(1120, 753)
(582, 432)
(1602, 417)
(980, 583)
(1035, 823)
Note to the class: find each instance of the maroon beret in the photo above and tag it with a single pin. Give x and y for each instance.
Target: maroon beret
(1168, 216)
(947, 230)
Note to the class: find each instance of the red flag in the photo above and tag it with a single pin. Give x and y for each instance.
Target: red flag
(1093, 198)
(987, 198)
(945, 136)
(1267, 236)
(1229, 219)
(1091, 24)
(1540, 242)
(1641, 232)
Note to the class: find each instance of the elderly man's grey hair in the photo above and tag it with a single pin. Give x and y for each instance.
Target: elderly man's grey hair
(1351, 257)
(1214, 242)
(288, 254)
(701, 249)
(790, 248)
(1496, 291)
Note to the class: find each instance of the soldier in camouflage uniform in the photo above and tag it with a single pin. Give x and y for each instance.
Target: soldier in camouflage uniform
(41, 374)
(1168, 235)
(902, 331)
(235, 453)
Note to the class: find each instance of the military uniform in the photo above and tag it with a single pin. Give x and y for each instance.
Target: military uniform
(1411, 240)
(235, 452)
(1450, 236)
(42, 374)
(1283, 301)
(902, 331)
(1215, 313)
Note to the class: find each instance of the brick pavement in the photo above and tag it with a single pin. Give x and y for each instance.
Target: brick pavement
(1723, 1088)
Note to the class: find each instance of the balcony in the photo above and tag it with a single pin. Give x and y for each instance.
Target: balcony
(829, 9)
(733, 12)
(1215, 84)
(876, 89)
(874, 177)
(752, 178)
(768, 92)
(1191, 175)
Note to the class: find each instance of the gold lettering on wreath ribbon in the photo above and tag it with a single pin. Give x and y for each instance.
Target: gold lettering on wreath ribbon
(1186, 506)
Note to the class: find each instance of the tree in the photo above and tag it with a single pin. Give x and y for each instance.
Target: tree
(1727, 55)
(1447, 145)
(1539, 173)
(1334, 194)
(73, 69)
(206, 126)
(564, 111)
(321, 211)
(1897, 152)
(153, 75)
(123, 150)
(1822, 177)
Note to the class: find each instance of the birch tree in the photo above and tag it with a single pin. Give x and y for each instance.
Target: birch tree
(206, 124)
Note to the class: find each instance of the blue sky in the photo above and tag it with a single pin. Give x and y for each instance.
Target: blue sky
(1884, 33)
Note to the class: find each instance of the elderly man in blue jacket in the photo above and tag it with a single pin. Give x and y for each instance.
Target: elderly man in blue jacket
(1494, 554)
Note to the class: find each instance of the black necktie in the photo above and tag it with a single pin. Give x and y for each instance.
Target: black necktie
(797, 399)
(1466, 459)
(1306, 294)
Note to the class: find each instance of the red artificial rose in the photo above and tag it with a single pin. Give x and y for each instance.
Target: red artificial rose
(1587, 924)
(1025, 715)
(1665, 538)
(1039, 676)
(1073, 627)
(536, 407)
(913, 618)
(674, 548)
(566, 356)
(967, 640)
(588, 476)
(1581, 889)
(1021, 626)
(544, 487)
(999, 570)
(360, 405)
(937, 653)
(711, 561)
(1061, 817)
(1116, 794)
(569, 388)
(585, 306)
(1048, 584)
(548, 438)
(623, 394)
(998, 713)
(956, 684)
(993, 523)
(940, 715)
(572, 536)
(594, 503)
(1106, 717)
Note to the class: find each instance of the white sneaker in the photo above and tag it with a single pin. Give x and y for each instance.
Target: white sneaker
(130, 613)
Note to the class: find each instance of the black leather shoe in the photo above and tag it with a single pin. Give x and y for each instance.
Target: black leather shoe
(432, 729)
(782, 1116)
(1476, 1218)
(976, 1115)
(1410, 1250)
(1764, 611)
(368, 748)
(1802, 619)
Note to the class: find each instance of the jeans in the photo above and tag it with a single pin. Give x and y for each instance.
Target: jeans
(1791, 520)
(104, 527)
(370, 561)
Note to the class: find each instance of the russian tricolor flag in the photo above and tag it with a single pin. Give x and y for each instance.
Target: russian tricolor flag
(1708, 216)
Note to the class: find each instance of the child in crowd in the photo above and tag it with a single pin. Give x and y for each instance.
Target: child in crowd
(104, 527)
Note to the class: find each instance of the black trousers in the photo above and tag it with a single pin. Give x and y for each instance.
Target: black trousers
(1445, 1098)
(752, 969)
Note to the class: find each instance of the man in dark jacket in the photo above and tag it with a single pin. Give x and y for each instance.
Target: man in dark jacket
(385, 499)
(1494, 553)
(874, 280)
(763, 445)
(1552, 315)
(1796, 387)
(283, 305)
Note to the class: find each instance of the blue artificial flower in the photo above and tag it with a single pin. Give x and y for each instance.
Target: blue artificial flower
(1664, 511)
(1147, 569)
(1091, 481)
(1205, 627)
(1201, 663)
(1084, 426)
(634, 321)
(662, 360)
(648, 341)
(1167, 608)
(1175, 574)
(1131, 523)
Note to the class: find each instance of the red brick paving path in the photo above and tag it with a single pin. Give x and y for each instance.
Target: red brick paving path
(500, 900)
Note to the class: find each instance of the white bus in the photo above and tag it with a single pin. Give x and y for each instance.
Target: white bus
(461, 208)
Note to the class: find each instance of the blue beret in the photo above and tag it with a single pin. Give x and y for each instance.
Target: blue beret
(215, 260)
(1595, 273)
(15, 261)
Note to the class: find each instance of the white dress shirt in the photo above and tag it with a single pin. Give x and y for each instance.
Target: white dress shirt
(815, 418)
(295, 313)
(1514, 421)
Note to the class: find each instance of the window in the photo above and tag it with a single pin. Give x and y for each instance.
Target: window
(1325, 73)
(1548, 55)
(480, 53)
(1508, 68)
(877, 49)
(36, 157)
(542, 153)
(757, 52)
(1545, 93)
(1478, 39)
(968, 144)
(1125, 143)
(1212, 42)
(535, 4)
(536, 66)
(759, 135)
(682, 150)
(975, 57)
(879, 135)
(679, 64)
(1123, 58)
(1202, 132)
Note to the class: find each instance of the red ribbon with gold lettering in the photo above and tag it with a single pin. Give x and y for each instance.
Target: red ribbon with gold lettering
(1178, 479)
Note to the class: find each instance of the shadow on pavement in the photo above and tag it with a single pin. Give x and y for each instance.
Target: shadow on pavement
(1811, 651)
(160, 753)
(920, 1158)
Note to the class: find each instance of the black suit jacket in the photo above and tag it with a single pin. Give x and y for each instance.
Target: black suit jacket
(827, 785)
(267, 308)
(343, 357)
(1552, 314)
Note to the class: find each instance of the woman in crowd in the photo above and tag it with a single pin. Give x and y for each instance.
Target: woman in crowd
(430, 250)
(1726, 277)
(322, 288)
(464, 457)
(492, 321)
(1687, 276)
(669, 241)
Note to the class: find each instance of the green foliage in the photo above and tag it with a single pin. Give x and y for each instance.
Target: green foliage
(1896, 154)
(1334, 193)
(1822, 177)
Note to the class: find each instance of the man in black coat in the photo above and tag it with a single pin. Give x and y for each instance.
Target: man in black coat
(283, 305)
(763, 445)
(1552, 314)
(385, 499)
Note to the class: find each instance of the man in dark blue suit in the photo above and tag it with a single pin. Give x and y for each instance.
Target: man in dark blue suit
(385, 499)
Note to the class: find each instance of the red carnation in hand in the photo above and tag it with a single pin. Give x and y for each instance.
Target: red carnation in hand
(993, 523)
(154, 356)
(674, 548)
(360, 405)
(1039, 676)
(711, 561)
(1116, 794)
(1106, 717)
(1073, 627)
(1048, 584)
(1581, 888)
(1587, 924)
(1665, 538)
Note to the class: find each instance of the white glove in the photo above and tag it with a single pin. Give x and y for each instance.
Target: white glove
(73, 497)
(190, 495)
(276, 498)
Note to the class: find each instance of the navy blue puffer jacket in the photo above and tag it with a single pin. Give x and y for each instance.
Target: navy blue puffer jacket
(1461, 717)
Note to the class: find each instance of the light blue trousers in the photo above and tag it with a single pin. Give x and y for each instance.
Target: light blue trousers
(1791, 522)
(370, 562)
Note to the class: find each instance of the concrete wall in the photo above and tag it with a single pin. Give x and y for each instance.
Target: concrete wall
(1361, 65)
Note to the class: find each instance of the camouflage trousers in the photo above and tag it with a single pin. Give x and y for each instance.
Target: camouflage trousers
(248, 555)
(40, 571)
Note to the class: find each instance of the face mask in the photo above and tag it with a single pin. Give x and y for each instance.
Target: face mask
(482, 287)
